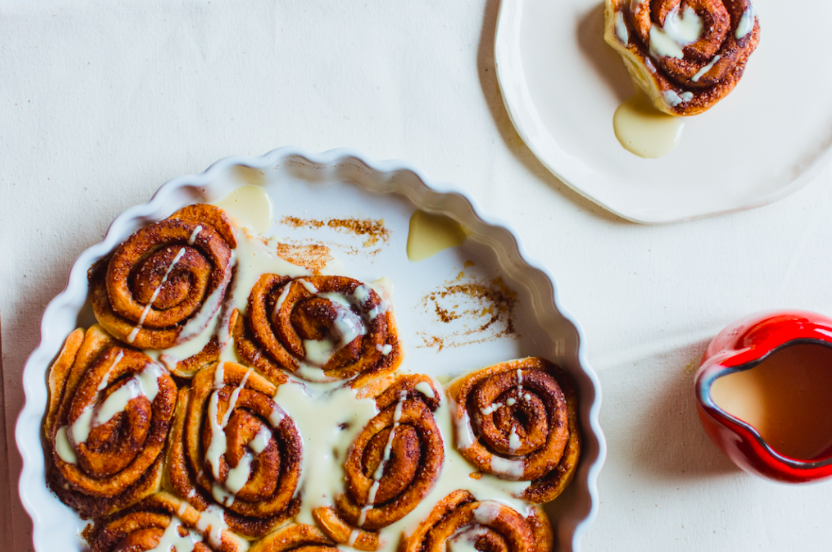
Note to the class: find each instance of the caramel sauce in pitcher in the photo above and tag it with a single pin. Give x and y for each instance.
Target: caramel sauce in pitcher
(787, 398)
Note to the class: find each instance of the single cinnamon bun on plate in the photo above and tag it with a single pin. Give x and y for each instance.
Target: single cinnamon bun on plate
(107, 420)
(518, 420)
(162, 522)
(162, 286)
(686, 55)
(391, 465)
(460, 520)
(231, 444)
(320, 328)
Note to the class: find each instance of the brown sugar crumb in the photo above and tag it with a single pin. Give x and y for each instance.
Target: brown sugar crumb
(313, 256)
(487, 312)
(475, 475)
(373, 229)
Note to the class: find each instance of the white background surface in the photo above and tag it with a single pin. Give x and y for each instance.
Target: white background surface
(100, 104)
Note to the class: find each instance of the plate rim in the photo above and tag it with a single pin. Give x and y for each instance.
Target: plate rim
(35, 387)
(506, 46)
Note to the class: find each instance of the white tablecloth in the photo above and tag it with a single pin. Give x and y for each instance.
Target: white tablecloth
(101, 102)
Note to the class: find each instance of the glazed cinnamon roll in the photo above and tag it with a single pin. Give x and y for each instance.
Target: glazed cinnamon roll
(686, 55)
(163, 522)
(108, 417)
(518, 420)
(320, 328)
(302, 538)
(232, 444)
(163, 285)
(391, 466)
(459, 519)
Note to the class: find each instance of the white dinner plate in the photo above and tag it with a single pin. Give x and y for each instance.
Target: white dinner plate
(562, 83)
(343, 184)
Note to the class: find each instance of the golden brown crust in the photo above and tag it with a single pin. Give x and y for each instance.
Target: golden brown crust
(518, 420)
(300, 538)
(284, 312)
(141, 528)
(485, 525)
(102, 465)
(710, 67)
(163, 276)
(266, 497)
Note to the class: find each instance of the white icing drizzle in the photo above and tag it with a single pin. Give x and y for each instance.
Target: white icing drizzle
(222, 495)
(353, 537)
(425, 389)
(701, 73)
(464, 433)
(238, 476)
(310, 287)
(678, 31)
(509, 468)
(105, 381)
(388, 449)
(219, 442)
(212, 521)
(513, 439)
(490, 409)
(281, 299)
(64, 448)
(511, 401)
(194, 234)
(465, 538)
(621, 28)
(146, 311)
(746, 24)
(172, 540)
(207, 312)
(182, 508)
(686, 96)
(671, 98)
(261, 440)
(143, 384)
(487, 512)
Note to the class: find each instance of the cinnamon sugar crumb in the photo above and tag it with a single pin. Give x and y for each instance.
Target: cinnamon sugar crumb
(313, 256)
(373, 229)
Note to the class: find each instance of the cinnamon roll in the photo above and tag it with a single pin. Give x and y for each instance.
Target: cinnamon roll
(162, 522)
(686, 55)
(518, 420)
(321, 328)
(302, 538)
(107, 420)
(162, 286)
(232, 444)
(460, 519)
(391, 465)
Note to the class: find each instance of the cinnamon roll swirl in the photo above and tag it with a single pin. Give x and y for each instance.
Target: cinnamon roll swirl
(162, 522)
(301, 538)
(685, 54)
(321, 328)
(232, 444)
(518, 420)
(163, 285)
(106, 424)
(460, 519)
(391, 465)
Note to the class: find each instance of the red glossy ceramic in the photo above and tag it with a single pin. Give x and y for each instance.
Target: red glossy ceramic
(743, 345)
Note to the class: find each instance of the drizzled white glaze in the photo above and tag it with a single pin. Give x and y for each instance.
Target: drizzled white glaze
(261, 440)
(212, 522)
(388, 449)
(678, 31)
(513, 439)
(746, 24)
(238, 476)
(105, 381)
(143, 384)
(621, 28)
(310, 287)
(146, 311)
(425, 389)
(172, 540)
(194, 235)
(487, 512)
(509, 468)
(219, 444)
(64, 448)
(701, 73)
